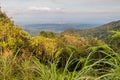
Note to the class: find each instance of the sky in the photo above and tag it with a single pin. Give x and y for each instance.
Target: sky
(62, 11)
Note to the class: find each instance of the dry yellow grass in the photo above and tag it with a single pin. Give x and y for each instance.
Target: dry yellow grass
(7, 54)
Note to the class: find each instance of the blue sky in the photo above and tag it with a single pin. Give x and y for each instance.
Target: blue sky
(62, 11)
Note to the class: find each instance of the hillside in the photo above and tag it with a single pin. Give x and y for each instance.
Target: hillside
(101, 32)
(12, 37)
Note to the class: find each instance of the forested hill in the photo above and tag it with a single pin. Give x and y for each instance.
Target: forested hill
(100, 32)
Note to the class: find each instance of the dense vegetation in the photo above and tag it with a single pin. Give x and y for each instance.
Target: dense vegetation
(101, 32)
(50, 56)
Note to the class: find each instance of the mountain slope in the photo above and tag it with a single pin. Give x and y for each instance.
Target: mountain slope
(101, 31)
(12, 37)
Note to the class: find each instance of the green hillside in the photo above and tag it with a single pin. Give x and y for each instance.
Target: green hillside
(102, 31)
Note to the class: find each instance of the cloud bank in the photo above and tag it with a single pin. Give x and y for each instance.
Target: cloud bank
(62, 10)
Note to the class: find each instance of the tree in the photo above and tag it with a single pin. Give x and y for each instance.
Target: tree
(47, 34)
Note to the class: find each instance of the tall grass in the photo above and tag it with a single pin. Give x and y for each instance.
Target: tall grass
(15, 68)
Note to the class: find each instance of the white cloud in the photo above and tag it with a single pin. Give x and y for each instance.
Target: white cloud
(34, 8)
(40, 8)
(85, 1)
(73, 9)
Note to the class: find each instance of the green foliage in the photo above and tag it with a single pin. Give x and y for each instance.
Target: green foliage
(104, 48)
(47, 34)
(5, 20)
(12, 37)
(100, 32)
(32, 69)
(116, 34)
(115, 40)
(99, 51)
